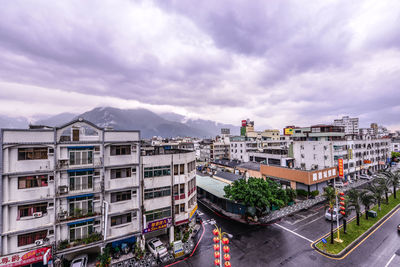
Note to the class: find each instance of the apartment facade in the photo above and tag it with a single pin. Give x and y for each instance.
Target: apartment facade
(350, 125)
(169, 190)
(77, 188)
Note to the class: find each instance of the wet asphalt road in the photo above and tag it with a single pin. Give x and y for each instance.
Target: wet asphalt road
(288, 242)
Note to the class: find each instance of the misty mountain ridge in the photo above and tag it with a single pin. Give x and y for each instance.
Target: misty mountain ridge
(149, 123)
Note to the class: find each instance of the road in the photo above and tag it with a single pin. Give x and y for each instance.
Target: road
(287, 242)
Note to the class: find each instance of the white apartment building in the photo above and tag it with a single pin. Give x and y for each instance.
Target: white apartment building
(360, 154)
(395, 145)
(350, 124)
(72, 188)
(241, 147)
(169, 186)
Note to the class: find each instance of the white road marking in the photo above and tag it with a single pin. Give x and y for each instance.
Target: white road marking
(304, 218)
(200, 213)
(309, 222)
(387, 264)
(290, 231)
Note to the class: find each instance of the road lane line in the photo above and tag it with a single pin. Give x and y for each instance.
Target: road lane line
(387, 264)
(290, 231)
(309, 222)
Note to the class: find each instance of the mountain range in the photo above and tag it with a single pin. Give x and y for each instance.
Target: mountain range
(149, 123)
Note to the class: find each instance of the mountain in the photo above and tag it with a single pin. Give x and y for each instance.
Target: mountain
(149, 123)
(13, 122)
(57, 120)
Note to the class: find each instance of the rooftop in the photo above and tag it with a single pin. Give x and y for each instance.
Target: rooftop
(255, 166)
(211, 185)
(227, 163)
(228, 176)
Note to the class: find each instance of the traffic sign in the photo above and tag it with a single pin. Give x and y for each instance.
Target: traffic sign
(323, 240)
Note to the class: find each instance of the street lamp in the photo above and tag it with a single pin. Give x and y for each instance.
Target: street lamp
(222, 240)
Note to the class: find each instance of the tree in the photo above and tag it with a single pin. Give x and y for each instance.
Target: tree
(377, 192)
(329, 193)
(367, 199)
(385, 184)
(291, 193)
(354, 202)
(393, 177)
(395, 155)
(257, 193)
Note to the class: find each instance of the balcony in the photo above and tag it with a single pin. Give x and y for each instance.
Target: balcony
(122, 206)
(120, 230)
(31, 165)
(92, 238)
(63, 164)
(121, 160)
(43, 192)
(122, 182)
(75, 215)
(32, 222)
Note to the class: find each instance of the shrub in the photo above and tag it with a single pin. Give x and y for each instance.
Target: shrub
(314, 193)
(302, 192)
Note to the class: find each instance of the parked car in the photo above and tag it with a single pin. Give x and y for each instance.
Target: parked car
(80, 261)
(328, 214)
(339, 184)
(157, 248)
(398, 228)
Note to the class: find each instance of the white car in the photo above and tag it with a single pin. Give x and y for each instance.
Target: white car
(80, 261)
(157, 248)
(339, 184)
(328, 215)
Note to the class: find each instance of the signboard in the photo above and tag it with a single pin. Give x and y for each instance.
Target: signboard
(340, 166)
(192, 212)
(381, 162)
(367, 161)
(178, 249)
(323, 240)
(288, 131)
(350, 153)
(157, 225)
(24, 258)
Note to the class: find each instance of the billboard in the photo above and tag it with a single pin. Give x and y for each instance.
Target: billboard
(157, 225)
(24, 258)
(340, 167)
(288, 131)
(244, 123)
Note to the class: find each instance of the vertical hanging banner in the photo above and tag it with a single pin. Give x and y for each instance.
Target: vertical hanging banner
(340, 166)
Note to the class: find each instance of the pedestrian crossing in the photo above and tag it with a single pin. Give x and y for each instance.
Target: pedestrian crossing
(209, 221)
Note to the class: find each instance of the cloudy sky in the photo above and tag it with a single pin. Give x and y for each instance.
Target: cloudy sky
(276, 62)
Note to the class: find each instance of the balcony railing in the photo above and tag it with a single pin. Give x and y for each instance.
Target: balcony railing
(65, 244)
(75, 215)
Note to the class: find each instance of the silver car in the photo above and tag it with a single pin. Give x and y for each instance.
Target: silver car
(157, 248)
(80, 261)
(329, 217)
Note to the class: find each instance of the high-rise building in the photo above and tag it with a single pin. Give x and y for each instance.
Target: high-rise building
(350, 124)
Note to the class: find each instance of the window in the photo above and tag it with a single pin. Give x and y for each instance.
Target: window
(191, 166)
(157, 192)
(176, 170)
(80, 205)
(81, 180)
(158, 214)
(177, 209)
(81, 156)
(32, 153)
(182, 207)
(120, 150)
(182, 169)
(80, 230)
(157, 171)
(121, 219)
(176, 189)
(30, 238)
(28, 210)
(32, 181)
(182, 189)
(121, 173)
(121, 196)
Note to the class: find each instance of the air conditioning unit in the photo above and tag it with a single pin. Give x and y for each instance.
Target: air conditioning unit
(39, 242)
(133, 148)
(37, 214)
(51, 151)
(63, 189)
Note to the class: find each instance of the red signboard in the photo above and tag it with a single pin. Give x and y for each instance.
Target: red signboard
(23, 258)
(244, 123)
(340, 166)
(367, 162)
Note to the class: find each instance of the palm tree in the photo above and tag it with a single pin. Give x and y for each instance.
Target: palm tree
(393, 177)
(385, 184)
(329, 193)
(354, 201)
(367, 199)
(377, 192)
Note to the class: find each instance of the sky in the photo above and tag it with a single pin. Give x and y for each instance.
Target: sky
(276, 62)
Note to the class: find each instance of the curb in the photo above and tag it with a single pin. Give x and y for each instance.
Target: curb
(357, 240)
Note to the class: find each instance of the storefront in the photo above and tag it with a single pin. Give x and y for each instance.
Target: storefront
(35, 257)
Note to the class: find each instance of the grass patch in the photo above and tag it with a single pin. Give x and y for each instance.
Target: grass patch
(353, 231)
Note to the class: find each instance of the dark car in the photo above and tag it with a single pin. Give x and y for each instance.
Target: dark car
(398, 228)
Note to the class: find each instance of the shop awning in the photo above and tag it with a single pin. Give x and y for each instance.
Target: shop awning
(87, 195)
(73, 223)
(81, 170)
